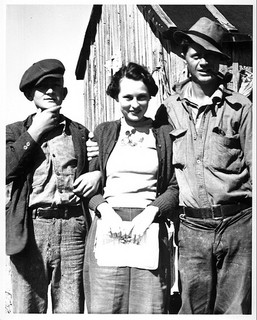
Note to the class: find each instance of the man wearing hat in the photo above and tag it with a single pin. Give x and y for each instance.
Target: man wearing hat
(47, 218)
(213, 164)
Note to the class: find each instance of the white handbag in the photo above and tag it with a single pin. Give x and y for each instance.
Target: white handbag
(114, 252)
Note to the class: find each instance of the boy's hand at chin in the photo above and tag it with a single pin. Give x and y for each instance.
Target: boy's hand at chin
(44, 121)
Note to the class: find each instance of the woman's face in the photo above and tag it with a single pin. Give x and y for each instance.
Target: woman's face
(133, 99)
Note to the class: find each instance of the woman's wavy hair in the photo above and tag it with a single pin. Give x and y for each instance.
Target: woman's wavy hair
(135, 72)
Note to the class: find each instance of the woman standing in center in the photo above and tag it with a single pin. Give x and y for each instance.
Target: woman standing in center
(138, 185)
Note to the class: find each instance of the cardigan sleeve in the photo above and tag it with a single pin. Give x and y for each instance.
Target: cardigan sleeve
(167, 198)
(168, 201)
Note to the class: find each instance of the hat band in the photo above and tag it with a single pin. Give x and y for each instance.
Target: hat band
(203, 36)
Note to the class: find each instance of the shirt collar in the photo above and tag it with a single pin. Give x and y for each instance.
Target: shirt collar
(64, 124)
(185, 92)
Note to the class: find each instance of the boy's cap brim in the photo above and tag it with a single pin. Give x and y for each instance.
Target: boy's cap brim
(49, 76)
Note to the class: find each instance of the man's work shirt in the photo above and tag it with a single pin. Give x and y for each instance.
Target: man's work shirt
(52, 182)
(212, 150)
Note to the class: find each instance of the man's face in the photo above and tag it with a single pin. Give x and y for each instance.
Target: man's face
(202, 65)
(48, 93)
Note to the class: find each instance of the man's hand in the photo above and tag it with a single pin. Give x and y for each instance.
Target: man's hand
(44, 121)
(87, 184)
(92, 147)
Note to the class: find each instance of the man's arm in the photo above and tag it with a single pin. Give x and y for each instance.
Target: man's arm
(20, 151)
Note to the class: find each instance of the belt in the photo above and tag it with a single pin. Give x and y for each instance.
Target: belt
(216, 211)
(61, 212)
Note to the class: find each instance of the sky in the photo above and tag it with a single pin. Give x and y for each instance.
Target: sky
(31, 32)
(35, 30)
(40, 31)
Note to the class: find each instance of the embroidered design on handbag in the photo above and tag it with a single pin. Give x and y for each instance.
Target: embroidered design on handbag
(115, 252)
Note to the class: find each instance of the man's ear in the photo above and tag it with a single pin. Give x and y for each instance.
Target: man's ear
(65, 92)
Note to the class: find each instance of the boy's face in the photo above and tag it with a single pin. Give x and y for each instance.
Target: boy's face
(49, 93)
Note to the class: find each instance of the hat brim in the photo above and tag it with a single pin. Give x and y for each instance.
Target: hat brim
(179, 36)
(50, 75)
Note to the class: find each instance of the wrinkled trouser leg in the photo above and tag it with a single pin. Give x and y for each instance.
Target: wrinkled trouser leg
(54, 254)
(215, 265)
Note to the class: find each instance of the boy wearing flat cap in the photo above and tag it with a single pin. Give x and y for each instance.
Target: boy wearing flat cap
(47, 218)
(213, 164)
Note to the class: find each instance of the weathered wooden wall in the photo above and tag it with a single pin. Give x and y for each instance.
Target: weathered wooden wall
(123, 35)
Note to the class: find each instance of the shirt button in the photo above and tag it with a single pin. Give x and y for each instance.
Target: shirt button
(25, 147)
(198, 161)
(28, 144)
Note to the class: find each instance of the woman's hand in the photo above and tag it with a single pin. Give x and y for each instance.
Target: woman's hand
(87, 184)
(111, 219)
(142, 222)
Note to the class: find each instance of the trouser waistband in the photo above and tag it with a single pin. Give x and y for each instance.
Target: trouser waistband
(127, 214)
(217, 211)
(60, 212)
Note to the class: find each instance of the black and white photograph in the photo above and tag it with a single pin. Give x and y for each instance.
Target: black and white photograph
(130, 159)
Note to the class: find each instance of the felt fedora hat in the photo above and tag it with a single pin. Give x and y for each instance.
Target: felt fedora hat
(205, 32)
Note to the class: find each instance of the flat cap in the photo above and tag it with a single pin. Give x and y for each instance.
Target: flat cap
(39, 71)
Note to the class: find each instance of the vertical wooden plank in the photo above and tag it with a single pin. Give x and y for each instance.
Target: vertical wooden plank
(123, 29)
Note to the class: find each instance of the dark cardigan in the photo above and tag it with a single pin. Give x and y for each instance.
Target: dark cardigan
(106, 135)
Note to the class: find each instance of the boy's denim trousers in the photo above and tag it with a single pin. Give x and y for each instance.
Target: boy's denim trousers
(215, 262)
(54, 255)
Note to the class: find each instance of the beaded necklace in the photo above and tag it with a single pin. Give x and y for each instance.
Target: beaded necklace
(134, 137)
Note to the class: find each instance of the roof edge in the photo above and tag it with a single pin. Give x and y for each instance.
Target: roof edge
(89, 39)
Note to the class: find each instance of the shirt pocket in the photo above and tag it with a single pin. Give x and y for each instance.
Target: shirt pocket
(41, 172)
(179, 138)
(225, 153)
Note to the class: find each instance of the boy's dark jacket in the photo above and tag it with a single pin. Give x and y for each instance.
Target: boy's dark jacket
(21, 150)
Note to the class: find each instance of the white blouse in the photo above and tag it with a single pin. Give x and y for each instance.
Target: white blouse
(132, 168)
